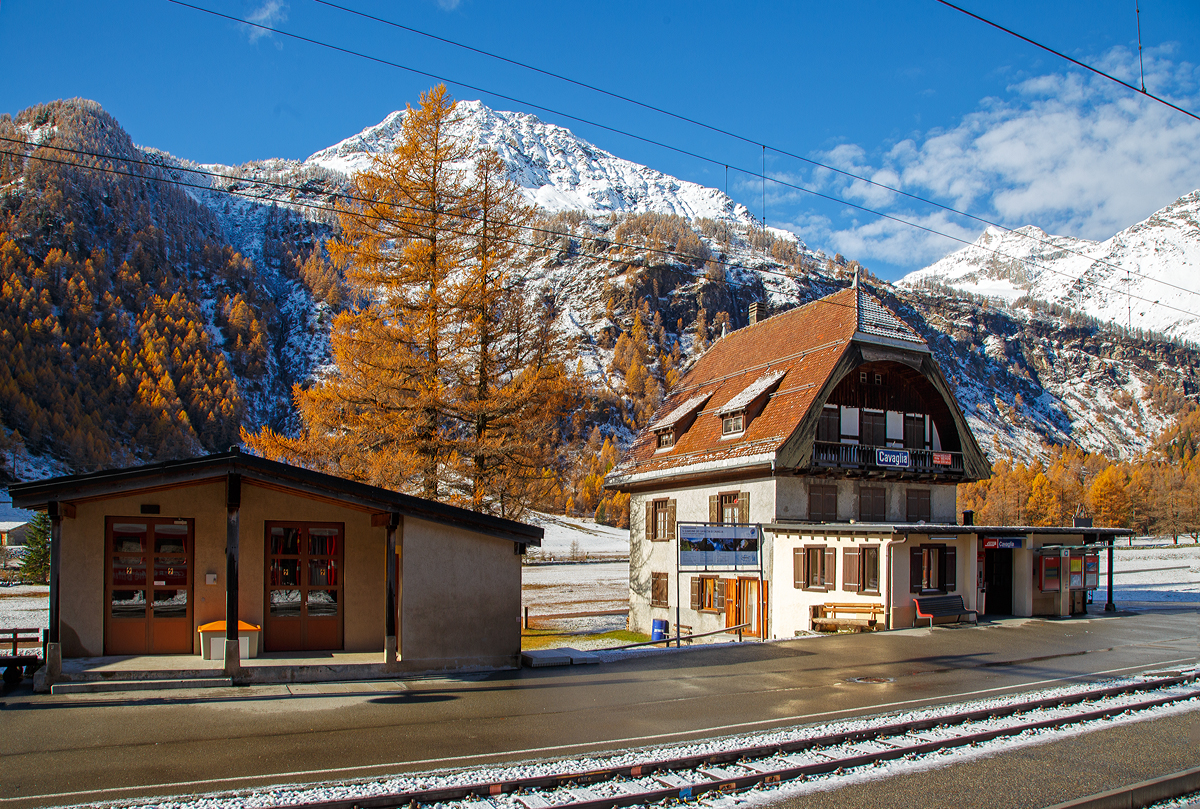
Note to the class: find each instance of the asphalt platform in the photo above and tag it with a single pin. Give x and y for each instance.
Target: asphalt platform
(84, 748)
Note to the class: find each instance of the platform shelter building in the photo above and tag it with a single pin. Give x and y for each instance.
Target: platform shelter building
(304, 568)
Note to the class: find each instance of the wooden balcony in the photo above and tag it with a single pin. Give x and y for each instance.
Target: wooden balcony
(898, 461)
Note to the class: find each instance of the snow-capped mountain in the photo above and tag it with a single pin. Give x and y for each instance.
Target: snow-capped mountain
(1147, 277)
(557, 170)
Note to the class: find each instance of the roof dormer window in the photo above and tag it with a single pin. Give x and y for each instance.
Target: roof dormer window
(737, 413)
(666, 439)
(673, 425)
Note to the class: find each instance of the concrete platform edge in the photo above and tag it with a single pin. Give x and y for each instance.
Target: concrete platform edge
(1137, 796)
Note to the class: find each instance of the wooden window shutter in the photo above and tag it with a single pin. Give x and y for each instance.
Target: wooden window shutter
(915, 566)
(650, 520)
(799, 574)
(695, 593)
(831, 568)
(850, 581)
(950, 572)
(670, 519)
(731, 603)
(714, 508)
(744, 507)
(719, 596)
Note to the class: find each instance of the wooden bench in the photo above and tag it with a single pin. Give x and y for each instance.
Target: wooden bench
(941, 607)
(14, 658)
(855, 616)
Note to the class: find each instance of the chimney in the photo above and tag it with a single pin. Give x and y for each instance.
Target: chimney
(968, 517)
(753, 313)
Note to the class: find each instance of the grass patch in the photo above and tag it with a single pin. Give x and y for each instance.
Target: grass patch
(550, 638)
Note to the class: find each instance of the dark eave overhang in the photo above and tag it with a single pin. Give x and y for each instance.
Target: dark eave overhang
(36, 494)
(940, 529)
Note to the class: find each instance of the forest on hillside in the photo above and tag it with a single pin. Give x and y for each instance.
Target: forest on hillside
(132, 330)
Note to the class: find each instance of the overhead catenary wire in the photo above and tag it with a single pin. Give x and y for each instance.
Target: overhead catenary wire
(743, 138)
(678, 255)
(1073, 61)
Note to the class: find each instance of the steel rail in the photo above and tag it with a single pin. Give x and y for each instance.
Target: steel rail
(686, 788)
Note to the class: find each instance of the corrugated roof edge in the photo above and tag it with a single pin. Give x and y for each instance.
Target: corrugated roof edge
(35, 494)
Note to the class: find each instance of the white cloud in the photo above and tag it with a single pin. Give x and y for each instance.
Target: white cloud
(1072, 153)
(270, 13)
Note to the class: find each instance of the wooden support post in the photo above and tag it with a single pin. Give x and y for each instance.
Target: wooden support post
(53, 646)
(233, 505)
(1109, 606)
(391, 647)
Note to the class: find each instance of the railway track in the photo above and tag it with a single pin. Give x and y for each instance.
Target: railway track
(740, 768)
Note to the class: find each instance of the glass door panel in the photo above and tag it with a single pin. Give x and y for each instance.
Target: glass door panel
(303, 587)
(149, 584)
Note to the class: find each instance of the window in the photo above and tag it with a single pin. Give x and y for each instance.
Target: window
(658, 590)
(872, 430)
(660, 520)
(918, 505)
(872, 504)
(822, 503)
(729, 508)
(829, 428)
(733, 423)
(914, 432)
(666, 439)
(708, 594)
(868, 558)
(813, 568)
(933, 569)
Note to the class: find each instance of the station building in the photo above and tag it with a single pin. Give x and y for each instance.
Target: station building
(831, 427)
(292, 563)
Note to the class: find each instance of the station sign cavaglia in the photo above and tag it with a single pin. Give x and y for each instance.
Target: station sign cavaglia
(731, 546)
(896, 458)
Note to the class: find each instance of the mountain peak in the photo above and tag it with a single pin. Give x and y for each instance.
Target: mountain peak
(557, 170)
(1146, 277)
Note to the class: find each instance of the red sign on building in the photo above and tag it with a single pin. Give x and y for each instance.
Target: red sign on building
(941, 458)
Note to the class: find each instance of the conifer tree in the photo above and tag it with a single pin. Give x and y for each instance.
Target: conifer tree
(447, 377)
(35, 565)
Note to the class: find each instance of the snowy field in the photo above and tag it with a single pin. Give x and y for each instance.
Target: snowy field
(571, 538)
(24, 606)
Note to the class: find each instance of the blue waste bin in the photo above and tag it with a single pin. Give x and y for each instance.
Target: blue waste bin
(658, 629)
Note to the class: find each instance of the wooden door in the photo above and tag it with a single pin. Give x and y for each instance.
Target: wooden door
(304, 587)
(148, 586)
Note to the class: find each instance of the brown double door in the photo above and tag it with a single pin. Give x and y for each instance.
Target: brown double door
(304, 587)
(148, 586)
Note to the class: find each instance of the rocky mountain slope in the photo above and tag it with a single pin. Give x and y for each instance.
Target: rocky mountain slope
(627, 253)
(1145, 278)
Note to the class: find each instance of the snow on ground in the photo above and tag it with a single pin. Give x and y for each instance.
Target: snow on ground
(1154, 571)
(24, 606)
(573, 538)
(576, 588)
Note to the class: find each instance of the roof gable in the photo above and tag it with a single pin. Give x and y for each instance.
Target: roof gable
(105, 483)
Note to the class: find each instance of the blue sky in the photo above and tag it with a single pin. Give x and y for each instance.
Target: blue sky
(912, 93)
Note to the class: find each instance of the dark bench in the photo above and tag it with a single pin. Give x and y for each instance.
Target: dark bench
(942, 606)
(13, 658)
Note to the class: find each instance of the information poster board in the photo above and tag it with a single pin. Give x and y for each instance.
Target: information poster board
(1091, 571)
(1075, 581)
(731, 547)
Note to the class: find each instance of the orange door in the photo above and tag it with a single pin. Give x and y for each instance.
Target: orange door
(304, 605)
(148, 586)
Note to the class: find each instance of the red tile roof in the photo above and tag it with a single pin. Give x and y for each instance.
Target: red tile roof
(804, 343)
